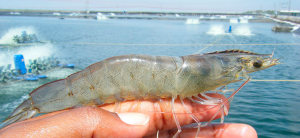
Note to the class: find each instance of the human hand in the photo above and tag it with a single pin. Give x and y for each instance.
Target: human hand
(96, 122)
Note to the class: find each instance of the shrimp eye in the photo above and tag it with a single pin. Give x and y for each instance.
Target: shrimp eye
(257, 64)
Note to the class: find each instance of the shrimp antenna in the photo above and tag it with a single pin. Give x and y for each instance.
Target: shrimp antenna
(286, 64)
(273, 52)
(279, 58)
(281, 62)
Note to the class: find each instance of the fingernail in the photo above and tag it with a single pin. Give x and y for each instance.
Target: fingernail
(134, 118)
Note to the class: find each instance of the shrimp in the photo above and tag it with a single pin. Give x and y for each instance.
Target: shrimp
(145, 77)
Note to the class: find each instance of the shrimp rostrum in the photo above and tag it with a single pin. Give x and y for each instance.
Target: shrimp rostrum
(144, 77)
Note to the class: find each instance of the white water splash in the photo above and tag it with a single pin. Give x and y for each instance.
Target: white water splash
(32, 52)
(244, 21)
(233, 21)
(100, 16)
(192, 21)
(216, 29)
(295, 28)
(8, 37)
(241, 30)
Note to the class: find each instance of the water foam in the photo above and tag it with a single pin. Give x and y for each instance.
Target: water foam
(192, 21)
(295, 28)
(216, 29)
(233, 21)
(32, 52)
(8, 37)
(244, 21)
(100, 16)
(242, 30)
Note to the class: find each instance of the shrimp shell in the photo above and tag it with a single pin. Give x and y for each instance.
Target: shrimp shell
(142, 77)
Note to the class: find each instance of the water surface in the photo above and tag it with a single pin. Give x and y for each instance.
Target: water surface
(270, 107)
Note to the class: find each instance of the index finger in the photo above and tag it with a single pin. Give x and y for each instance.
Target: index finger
(162, 121)
(211, 131)
(165, 121)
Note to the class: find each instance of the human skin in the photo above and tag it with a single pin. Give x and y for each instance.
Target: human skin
(96, 122)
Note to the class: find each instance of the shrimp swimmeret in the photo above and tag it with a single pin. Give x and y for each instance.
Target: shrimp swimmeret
(145, 77)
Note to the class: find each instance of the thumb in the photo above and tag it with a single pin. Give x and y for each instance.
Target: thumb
(122, 125)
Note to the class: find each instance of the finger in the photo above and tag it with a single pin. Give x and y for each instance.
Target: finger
(159, 121)
(81, 122)
(213, 130)
(165, 121)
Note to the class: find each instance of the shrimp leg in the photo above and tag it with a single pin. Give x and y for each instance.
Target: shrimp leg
(193, 116)
(175, 118)
(222, 104)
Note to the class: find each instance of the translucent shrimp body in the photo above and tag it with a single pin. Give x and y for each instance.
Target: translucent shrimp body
(141, 77)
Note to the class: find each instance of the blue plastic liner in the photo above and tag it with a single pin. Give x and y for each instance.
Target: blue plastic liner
(70, 65)
(40, 76)
(66, 65)
(17, 78)
(31, 79)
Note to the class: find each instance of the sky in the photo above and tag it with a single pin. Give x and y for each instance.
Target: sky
(153, 5)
